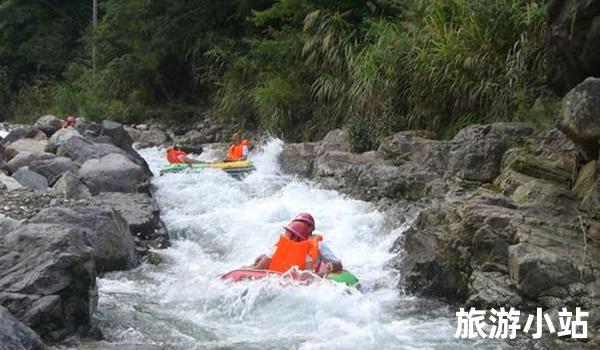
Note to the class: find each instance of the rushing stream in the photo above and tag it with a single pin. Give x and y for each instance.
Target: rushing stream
(217, 224)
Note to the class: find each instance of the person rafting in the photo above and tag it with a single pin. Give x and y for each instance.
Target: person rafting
(297, 246)
(239, 149)
(69, 122)
(175, 155)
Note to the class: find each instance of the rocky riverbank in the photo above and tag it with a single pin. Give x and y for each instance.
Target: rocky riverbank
(510, 217)
(74, 203)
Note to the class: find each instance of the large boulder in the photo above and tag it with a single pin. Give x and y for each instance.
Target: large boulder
(141, 213)
(117, 134)
(534, 269)
(51, 169)
(48, 278)
(335, 140)
(581, 116)
(82, 150)
(87, 128)
(26, 158)
(298, 158)
(572, 37)
(25, 145)
(60, 137)
(112, 173)
(104, 228)
(14, 335)
(30, 179)
(49, 124)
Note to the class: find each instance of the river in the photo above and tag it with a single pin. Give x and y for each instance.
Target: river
(218, 223)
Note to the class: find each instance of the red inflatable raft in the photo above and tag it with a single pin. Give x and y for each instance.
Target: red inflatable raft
(252, 274)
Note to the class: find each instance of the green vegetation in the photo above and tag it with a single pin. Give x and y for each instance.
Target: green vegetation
(296, 68)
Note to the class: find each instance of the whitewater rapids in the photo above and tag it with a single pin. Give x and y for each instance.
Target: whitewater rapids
(217, 224)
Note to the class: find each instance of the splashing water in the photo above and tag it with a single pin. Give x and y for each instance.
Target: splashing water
(217, 224)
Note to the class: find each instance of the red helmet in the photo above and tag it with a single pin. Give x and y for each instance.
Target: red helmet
(301, 230)
(306, 218)
(71, 119)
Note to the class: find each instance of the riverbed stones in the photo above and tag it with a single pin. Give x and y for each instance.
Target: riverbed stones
(25, 145)
(26, 158)
(51, 169)
(8, 183)
(60, 137)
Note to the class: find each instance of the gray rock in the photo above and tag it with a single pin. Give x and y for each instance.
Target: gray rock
(134, 134)
(49, 124)
(141, 213)
(9, 183)
(104, 228)
(491, 290)
(572, 34)
(82, 150)
(60, 137)
(30, 179)
(534, 269)
(49, 260)
(52, 169)
(154, 137)
(298, 158)
(7, 224)
(70, 185)
(26, 158)
(25, 145)
(112, 173)
(117, 134)
(581, 116)
(87, 128)
(14, 335)
(22, 133)
(335, 140)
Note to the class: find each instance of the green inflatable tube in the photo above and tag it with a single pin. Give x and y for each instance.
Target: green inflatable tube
(345, 277)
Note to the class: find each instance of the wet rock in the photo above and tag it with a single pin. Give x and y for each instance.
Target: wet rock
(26, 158)
(30, 179)
(117, 134)
(32, 146)
(51, 169)
(60, 137)
(112, 173)
(14, 335)
(572, 34)
(534, 269)
(141, 213)
(48, 124)
(49, 260)
(8, 183)
(104, 228)
(433, 265)
(581, 116)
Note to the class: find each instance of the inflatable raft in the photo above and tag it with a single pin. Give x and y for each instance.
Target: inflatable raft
(233, 168)
(238, 275)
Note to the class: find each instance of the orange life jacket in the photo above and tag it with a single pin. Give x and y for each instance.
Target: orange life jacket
(174, 156)
(236, 151)
(290, 253)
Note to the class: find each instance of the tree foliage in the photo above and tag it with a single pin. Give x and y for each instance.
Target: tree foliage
(297, 68)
